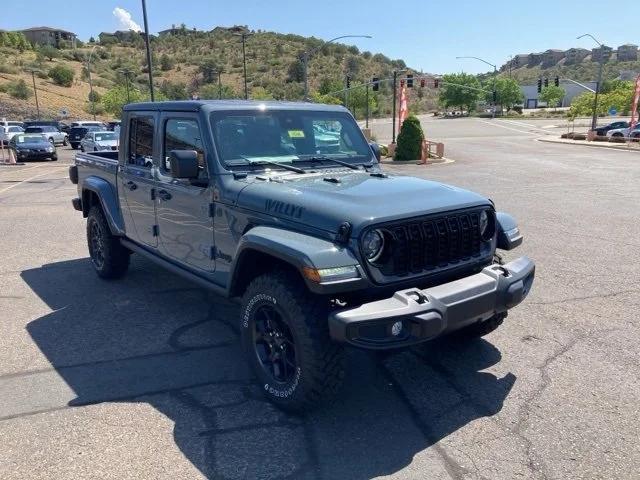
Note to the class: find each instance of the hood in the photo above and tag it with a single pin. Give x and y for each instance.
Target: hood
(107, 143)
(358, 198)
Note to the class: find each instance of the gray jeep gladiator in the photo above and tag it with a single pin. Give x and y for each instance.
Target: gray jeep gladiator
(285, 206)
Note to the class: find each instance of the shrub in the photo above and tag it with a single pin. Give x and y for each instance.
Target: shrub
(61, 75)
(4, 68)
(19, 90)
(409, 140)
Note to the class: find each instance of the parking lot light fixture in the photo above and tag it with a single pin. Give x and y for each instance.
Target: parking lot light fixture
(93, 109)
(495, 74)
(244, 36)
(594, 117)
(306, 56)
(148, 46)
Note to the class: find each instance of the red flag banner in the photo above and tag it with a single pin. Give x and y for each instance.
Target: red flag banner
(402, 114)
(634, 106)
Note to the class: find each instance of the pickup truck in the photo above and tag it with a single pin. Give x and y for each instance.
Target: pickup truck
(321, 246)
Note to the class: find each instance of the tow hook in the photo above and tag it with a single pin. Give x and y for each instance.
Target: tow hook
(418, 296)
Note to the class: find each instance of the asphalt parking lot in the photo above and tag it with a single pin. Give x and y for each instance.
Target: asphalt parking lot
(144, 378)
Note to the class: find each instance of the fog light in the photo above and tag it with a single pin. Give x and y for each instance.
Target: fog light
(396, 328)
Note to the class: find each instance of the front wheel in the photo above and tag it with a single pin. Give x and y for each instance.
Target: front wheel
(65, 142)
(285, 335)
(81, 148)
(109, 258)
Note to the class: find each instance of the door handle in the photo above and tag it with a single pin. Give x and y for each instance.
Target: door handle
(164, 195)
(131, 185)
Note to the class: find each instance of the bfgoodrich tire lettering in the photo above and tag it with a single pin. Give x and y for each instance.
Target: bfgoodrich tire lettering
(109, 258)
(286, 339)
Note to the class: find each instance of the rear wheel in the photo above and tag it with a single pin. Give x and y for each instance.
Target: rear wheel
(54, 157)
(285, 335)
(109, 258)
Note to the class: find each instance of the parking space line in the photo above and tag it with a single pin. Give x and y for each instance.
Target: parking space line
(27, 180)
(508, 128)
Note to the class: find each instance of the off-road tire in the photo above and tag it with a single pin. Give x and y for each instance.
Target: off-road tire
(108, 257)
(319, 361)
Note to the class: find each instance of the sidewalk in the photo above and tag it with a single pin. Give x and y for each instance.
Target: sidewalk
(629, 147)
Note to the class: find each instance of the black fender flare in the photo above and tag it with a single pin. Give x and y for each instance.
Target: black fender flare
(299, 250)
(509, 235)
(108, 198)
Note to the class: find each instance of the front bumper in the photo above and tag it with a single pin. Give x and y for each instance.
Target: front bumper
(429, 313)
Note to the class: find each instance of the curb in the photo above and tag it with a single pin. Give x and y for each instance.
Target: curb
(584, 143)
(440, 161)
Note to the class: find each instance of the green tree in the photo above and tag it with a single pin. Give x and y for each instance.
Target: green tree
(61, 75)
(49, 52)
(209, 68)
(358, 99)
(166, 62)
(460, 90)
(508, 92)
(552, 95)
(210, 92)
(174, 90)
(409, 140)
(116, 98)
(260, 93)
(295, 72)
(93, 96)
(20, 90)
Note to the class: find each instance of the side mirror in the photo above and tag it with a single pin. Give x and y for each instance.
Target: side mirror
(375, 148)
(183, 164)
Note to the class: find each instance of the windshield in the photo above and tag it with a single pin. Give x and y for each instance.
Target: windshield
(287, 136)
(22, 139)
(103, 137)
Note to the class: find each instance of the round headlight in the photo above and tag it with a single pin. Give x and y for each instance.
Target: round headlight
(372, 245)
(487, 225)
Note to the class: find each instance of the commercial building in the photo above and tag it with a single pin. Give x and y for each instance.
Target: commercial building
(531, 95)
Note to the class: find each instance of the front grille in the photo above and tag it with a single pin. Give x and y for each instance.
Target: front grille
(432, 244)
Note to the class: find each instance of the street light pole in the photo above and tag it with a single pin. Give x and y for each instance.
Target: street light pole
(146, 38)
(594, 117)
(495, 75)
(395, 88)
(309, 53)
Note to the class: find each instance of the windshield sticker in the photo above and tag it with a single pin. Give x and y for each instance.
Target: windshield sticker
(296, 134)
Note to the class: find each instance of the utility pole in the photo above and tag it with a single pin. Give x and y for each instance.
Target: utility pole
(219, 73)
(93, 107)
(244, 36)
(146, 38)
(395, 93)
(366, 124)
(35, 92)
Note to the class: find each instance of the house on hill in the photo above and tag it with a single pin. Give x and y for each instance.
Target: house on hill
(601, 54)
(180, 30)
(627, 53)
(54, 37)
(574, 56)
(235, 29)
(534, 59)
(551, 57)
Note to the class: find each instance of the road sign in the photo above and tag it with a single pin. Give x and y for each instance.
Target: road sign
(64, 112)
(612, 111)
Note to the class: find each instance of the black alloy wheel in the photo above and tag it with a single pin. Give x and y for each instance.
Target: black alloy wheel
(274, 345)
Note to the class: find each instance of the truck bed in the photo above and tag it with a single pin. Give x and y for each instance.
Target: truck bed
(100, 164)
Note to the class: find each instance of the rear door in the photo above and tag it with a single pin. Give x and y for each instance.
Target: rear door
(183, 206)
(136, 178)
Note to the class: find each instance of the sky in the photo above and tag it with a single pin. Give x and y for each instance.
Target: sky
(427, 34)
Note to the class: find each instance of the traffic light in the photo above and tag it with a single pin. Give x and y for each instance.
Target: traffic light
(401, 82)
(495, 97)
(423, 82)
(546, 82)
(376, 84)
(539, 85)
(556, 81)
(409, 81)
(348, 81)
(436, 83)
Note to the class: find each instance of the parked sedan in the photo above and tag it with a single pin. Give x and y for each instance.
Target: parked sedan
(602, 131)
(76, 134)
(32, 147)
(102, 140)
(54, 135)
(624, 132)
(7, 133)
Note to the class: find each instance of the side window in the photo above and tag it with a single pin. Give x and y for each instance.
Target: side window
(183, 134)
(140, 142)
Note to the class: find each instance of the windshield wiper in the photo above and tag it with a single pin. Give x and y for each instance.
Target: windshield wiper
(272, 162)
(328, 159)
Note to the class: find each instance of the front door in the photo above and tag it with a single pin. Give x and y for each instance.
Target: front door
(183, 206)
(137, 180)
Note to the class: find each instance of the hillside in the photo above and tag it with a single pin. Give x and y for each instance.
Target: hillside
(185, 64)
(582, 72)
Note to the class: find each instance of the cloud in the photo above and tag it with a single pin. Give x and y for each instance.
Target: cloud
(124, 20)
